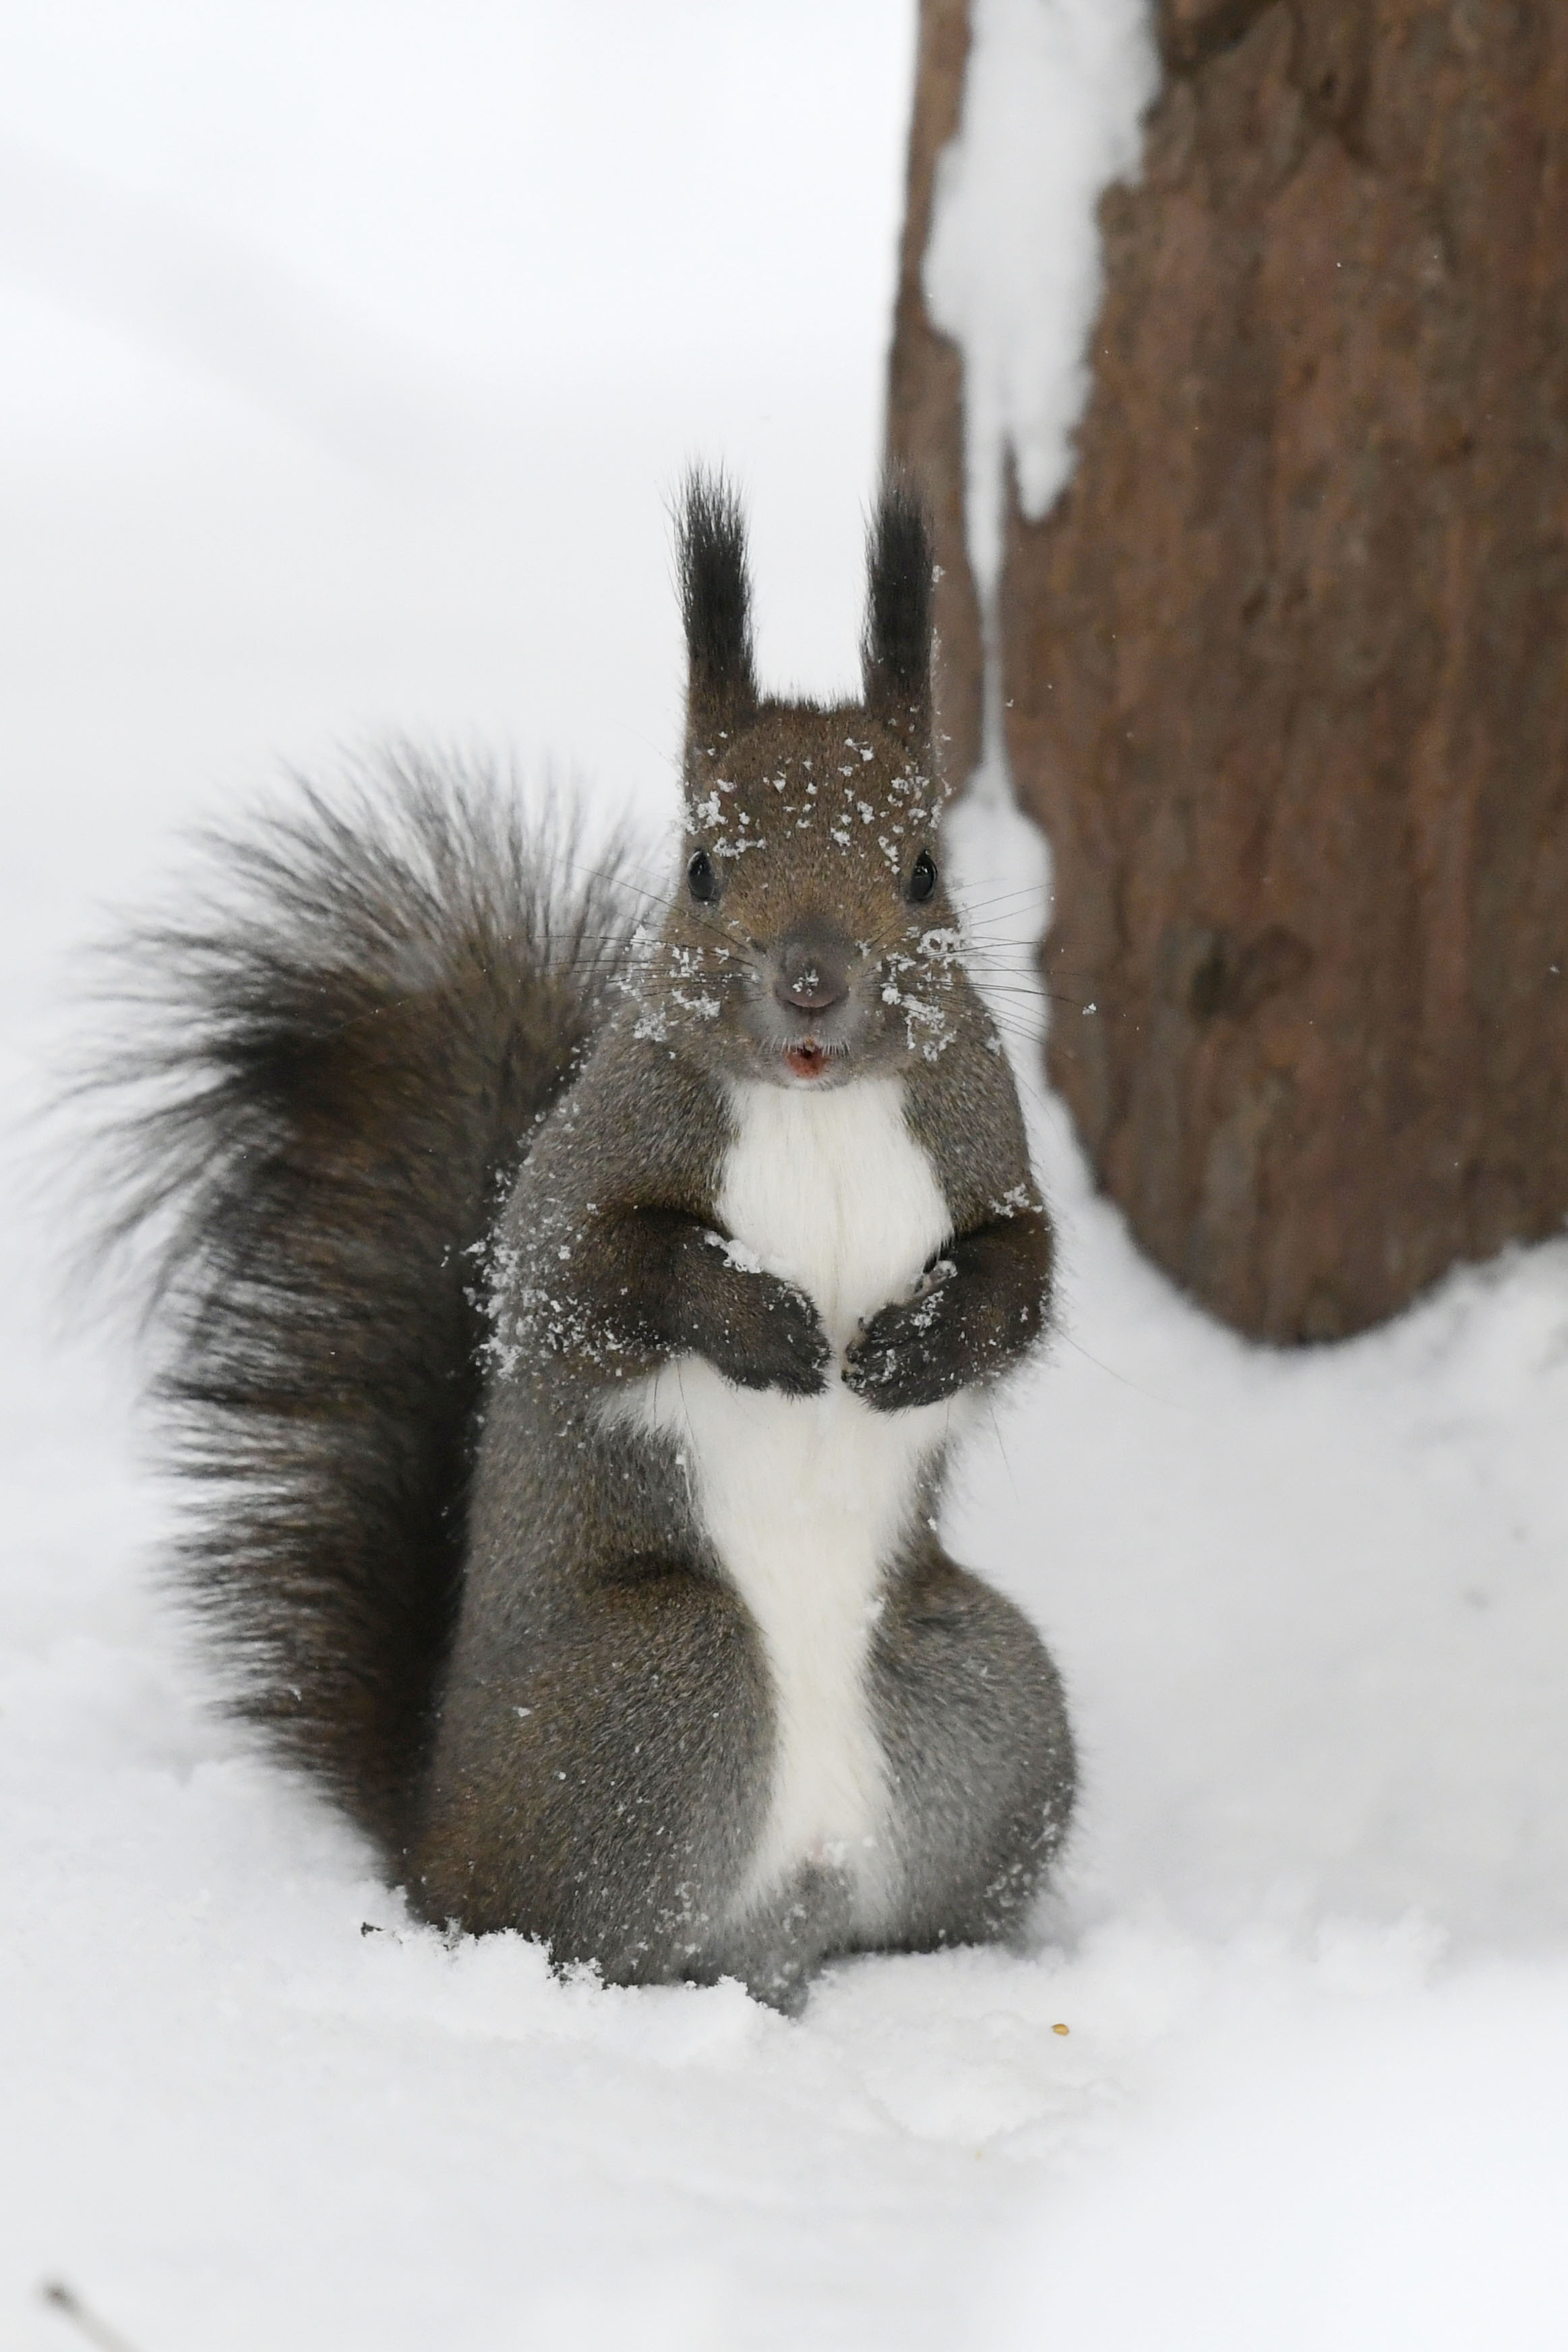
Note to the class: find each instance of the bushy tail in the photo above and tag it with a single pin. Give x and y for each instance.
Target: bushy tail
(334, 1066)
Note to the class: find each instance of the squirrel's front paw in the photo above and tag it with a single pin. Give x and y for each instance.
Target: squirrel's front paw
(911, 1353)
(770, 1336)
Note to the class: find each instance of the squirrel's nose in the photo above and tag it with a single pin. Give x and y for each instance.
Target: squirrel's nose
(813, 976)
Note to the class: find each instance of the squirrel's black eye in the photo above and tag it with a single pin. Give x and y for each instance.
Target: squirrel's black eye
(704, 881)
(923, 876)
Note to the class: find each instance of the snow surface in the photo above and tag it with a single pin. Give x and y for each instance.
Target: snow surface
(1312, 1947)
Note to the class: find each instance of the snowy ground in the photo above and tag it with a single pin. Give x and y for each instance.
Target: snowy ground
(1312, 1950)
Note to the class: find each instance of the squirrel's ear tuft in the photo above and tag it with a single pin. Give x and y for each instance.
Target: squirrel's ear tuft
(716, 605)
(895, 650)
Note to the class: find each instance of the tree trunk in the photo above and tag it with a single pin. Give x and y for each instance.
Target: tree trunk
(1288, 663)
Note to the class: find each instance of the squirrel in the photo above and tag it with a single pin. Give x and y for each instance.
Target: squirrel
(569, 1323)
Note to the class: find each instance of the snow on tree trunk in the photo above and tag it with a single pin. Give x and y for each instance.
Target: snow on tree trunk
(1286, 662)
(924, 392)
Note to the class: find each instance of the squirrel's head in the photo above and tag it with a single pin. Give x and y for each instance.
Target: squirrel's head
(809, 937)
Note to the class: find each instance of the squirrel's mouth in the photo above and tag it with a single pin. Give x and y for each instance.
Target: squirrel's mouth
(808, 1059)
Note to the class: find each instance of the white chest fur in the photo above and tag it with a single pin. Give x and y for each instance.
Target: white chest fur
(805, 1499)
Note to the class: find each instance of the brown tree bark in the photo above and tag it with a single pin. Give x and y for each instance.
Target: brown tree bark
(1288, 663)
